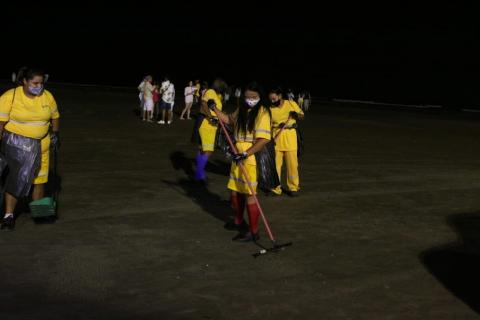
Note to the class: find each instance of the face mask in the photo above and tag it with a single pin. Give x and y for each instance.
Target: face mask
(252, 102)
(276, 103)
(36, 91)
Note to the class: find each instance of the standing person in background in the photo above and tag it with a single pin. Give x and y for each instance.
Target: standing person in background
(307, 102)
(285, 114)
(198, 87)
(301, 97)
(146, 88)
(156, 99)
(29, 123)
(238, 94)
(189, 92)
(290, 95)
(227, 96)
(168, 100)
(203, 89)
(207, 125)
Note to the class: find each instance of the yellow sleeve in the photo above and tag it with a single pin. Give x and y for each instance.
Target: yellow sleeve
(296, 107)
(6, 101)
(263, 125)
(53, 106)
(209, 94)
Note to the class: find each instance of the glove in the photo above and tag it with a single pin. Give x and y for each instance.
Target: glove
(239, 157)
(214, 121)
(211, 104)
(55, 140)
(293, 115)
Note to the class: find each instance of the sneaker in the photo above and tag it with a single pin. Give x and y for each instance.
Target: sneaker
(8, 223)
(161, 122)
(169, 122)
(182, 118)
(246, 237)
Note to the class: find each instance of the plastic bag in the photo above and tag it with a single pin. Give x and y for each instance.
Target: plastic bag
(267, 175)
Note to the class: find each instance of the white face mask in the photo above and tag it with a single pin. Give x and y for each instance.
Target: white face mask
(252, 102)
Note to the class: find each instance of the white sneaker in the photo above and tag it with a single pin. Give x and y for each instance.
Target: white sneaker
(169, 122)
(161, 122)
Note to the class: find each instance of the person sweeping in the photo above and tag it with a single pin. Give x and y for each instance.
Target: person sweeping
(27, 113)
(285, 114)
(252, 131)
(207, 125)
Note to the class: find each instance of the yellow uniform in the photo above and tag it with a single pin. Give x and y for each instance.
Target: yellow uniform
(30, 117)
(207, 130)
(286, 143)
(197, 90)
(262, 130)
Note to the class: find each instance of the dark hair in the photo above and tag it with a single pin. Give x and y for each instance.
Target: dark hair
(277, 90)
(219, 85)
(26, 73)
(246, 119)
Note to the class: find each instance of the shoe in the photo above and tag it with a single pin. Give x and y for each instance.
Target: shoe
(182, 118)
(161, 122)
(232, 226)
(292, 194)
(8, 223)
(246, 237)
(189, 118)
(272, 194)
(169, 122)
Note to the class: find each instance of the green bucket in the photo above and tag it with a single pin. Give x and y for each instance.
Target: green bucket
(45, 207)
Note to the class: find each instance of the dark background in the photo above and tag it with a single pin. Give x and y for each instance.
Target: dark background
(396, 52)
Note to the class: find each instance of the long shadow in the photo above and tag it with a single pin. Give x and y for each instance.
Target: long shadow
(181, 162)
(198, 192)
(457, 265)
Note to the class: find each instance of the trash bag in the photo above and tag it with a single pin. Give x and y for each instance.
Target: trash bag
(23, 158)
(267, 175)
(300, 143)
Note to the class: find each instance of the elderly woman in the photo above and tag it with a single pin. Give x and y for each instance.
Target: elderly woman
(29, 123)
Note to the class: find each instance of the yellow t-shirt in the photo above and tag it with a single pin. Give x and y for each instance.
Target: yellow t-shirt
(197, 91)
(287, 141)
(211, 94)
(28, 117)
(262, 130)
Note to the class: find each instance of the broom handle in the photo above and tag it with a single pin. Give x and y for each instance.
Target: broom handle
(282, 128)
(244, 172)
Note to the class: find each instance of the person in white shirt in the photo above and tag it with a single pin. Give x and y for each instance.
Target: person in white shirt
(146, 89)
(238, 94)
(167, 90)
(189, 93)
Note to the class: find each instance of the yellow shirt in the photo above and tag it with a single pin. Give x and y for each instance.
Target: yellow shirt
(287, 141)
(211, 94)
(28, 117)
(197, 91)
(262, 130)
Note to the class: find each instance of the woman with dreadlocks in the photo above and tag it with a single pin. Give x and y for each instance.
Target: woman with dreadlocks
(252, 131)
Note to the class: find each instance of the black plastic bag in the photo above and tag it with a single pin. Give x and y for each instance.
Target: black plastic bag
(196, 127)
(300, 143)
(267, 175)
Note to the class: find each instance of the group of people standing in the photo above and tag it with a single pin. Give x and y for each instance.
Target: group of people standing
(157, 101)
(257, 122)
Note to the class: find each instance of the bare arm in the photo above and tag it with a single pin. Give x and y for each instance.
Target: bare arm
(257, 146)
(222, 116)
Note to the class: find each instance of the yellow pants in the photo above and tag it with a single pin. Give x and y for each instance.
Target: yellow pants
(207, 133)
(291, 162)
(42, 176)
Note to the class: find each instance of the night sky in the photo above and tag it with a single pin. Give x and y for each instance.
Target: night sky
(405, 52)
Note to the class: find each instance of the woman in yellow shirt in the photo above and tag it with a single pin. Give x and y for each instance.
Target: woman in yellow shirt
(26, 115)
(252, 131)
(207, 125)
(285, 114)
